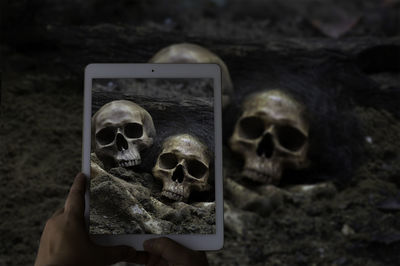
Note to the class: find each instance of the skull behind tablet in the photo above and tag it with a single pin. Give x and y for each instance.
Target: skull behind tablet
(271, 134)
(193, 53)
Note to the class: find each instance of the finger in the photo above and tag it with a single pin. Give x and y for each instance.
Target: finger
(75, 202)
(111, 255)
(57, 212)
(167, 249)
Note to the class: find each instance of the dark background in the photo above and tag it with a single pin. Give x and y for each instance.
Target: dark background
(341, 58)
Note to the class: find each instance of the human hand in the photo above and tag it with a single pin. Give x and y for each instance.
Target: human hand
(164, 251)
(65, 240)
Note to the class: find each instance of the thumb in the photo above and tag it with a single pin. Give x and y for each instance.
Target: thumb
(111, 255)
(167, 249)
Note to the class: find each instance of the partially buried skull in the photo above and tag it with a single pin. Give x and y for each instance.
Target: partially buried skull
(271, 134)
(193, 53)
(122, 130)
(183, 166)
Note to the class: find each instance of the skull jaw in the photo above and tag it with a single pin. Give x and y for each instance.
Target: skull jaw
(129, 163)
(172, 195)
(110, 162)
(257, 176)
(263, 171)
(175, 191)
(129, 157)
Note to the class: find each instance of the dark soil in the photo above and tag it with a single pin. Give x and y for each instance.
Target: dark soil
(350, 85)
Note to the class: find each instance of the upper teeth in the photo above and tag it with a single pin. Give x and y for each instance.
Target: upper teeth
(172, 195)
(129, 163)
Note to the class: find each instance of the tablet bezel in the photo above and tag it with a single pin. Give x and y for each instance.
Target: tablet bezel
(93, 71)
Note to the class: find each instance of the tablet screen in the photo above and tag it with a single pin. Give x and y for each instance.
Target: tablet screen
(152, 156)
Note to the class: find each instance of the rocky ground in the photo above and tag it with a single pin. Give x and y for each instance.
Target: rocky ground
(123, 201)
(346, 73)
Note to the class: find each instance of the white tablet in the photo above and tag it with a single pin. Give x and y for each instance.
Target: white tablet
(152, 152)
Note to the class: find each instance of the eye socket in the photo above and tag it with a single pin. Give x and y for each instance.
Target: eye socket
(196, 169)
(106, 135)
(251, 127)
(168, 160)
(291, 138)
(133, 130)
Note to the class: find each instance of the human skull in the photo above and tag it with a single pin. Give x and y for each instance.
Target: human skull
(192, 53)
(182, 166)
(270, 135)
(122, 129)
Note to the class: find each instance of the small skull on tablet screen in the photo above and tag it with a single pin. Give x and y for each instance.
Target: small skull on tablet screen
(270, 135)
(122, 130)
(182, 166)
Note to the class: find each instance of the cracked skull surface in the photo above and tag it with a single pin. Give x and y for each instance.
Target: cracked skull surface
(193, 53)
(122, 130)
(182, 166)
(270, 135)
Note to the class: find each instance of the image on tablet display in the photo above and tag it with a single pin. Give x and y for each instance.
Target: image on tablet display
(152, 156)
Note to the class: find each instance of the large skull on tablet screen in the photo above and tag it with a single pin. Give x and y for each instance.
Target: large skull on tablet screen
(182, 166)
(122, 129)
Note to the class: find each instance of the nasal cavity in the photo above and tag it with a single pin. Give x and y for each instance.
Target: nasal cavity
(122, 144)
(178, 174)
(266, 147)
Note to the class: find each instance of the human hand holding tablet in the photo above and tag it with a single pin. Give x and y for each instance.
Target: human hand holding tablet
(152, 152)
(65, 241)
